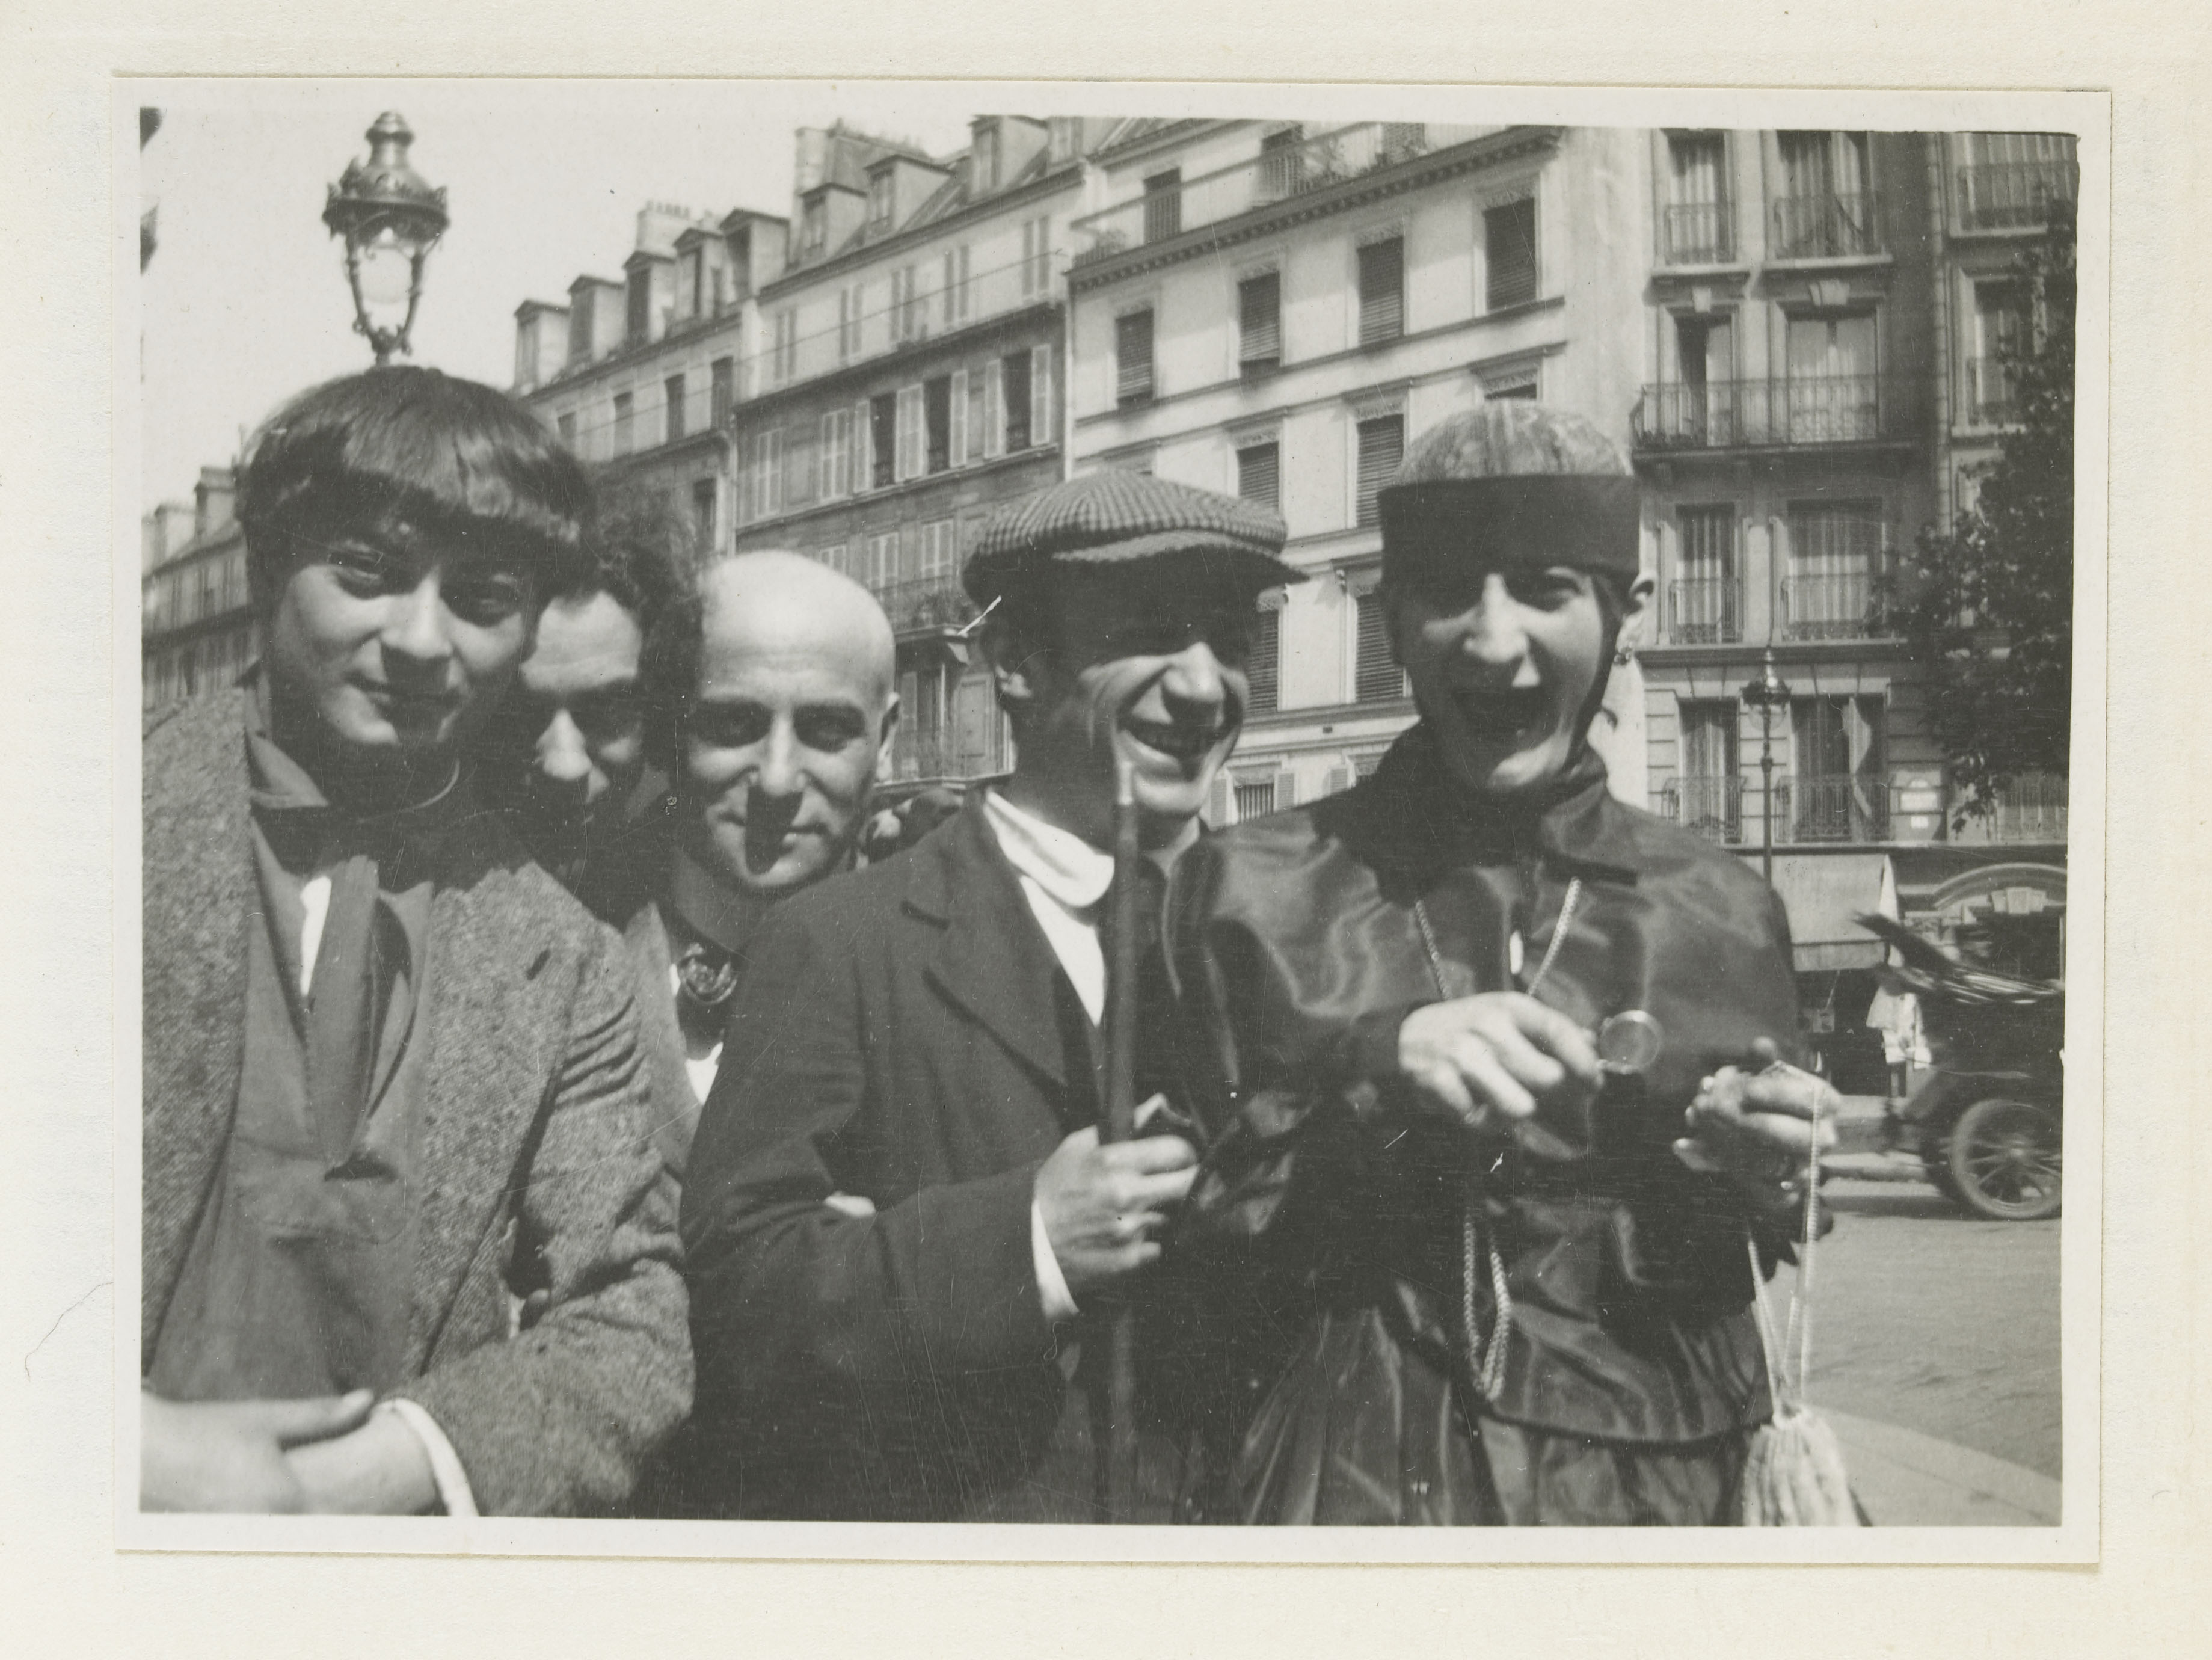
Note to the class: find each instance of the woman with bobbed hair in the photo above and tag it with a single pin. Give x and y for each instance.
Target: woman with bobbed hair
(1509, 1284)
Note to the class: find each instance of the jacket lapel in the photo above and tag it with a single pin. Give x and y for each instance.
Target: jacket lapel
(993, 961)
(495, 1041)
(200, 899)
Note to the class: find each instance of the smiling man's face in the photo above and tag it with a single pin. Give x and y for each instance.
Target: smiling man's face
(1503, 664)
(792, 723)
(1143, 666)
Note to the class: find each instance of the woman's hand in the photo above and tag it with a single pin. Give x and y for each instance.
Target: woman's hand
(1491, 1061)
(1760, 1127)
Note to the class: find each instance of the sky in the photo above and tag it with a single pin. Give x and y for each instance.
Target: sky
(245, 301)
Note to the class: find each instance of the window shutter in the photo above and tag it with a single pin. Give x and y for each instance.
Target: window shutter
(748, 510)
(1286, 790)
(1382, 447)
(1509, 234)
(864, 461)
(1259, 319)
(1043, 427)
(995, 427)
(1263, 673)
(957, 418)
(1216, 802)
(1382, 291)
(1377, 678)
(1132, 356)
(906, 460)
(772, 475)
(1340, 779)
(1260, 473)
(833, 457)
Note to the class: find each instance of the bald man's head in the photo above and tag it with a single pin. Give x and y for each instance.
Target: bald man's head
(790, 719)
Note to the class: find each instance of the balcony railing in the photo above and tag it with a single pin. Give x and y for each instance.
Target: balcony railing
(1273, 175)
(1848, 607)
(2030, 808)
(1704, 611)
(1988, 401)
(1700, 233)
(1832, 226)
(1845, 809)
(1800, 412)
(924, 602)
(2013, 195)
(1712, 807)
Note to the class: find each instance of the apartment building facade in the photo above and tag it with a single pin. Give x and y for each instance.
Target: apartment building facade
(1275, 309)
(1824, 308)
(197, 630)
(859, 382)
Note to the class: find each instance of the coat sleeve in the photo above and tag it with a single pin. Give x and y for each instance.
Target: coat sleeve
(560, 1417)
(790, 1295)
(1271, 1091)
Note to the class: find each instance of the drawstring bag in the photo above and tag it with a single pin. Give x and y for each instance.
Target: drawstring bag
(1793, 1472)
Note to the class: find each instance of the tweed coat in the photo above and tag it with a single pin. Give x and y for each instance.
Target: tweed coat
(540, 1172)
(903, 1034)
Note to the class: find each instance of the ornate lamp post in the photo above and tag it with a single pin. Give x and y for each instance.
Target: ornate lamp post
(1766, 694)
(391, 218)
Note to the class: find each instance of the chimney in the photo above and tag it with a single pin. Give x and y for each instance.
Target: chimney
(213, 500)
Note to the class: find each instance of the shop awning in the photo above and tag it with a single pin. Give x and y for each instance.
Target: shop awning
(1823, 892)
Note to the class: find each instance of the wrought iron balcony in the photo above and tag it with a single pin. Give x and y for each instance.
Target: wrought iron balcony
(1704, 611)
(924, 602)
(1699, 233)
(1712, 807)
(1835, 225)
(1846, 607)
(1272, 176)
(1834, 809)
(1796, 412)
(2030, 808)
(2014, 195)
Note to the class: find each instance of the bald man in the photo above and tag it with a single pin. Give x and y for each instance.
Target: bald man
(787, 721)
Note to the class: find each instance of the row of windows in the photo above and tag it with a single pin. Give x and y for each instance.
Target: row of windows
(1824, 202)
(1002, 407)
(208, 664)
(942, 293)
(1833, 584)
(1510, 229)
(206, 587)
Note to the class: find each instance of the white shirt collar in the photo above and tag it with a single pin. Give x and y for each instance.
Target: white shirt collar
(1068, 869)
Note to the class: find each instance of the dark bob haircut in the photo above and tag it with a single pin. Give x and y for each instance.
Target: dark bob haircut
(643, 555)
(413, 450)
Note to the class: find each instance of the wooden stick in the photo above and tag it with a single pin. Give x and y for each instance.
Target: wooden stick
(1115, 1470)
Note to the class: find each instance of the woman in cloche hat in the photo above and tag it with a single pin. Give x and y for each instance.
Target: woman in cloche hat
(1508, 1284)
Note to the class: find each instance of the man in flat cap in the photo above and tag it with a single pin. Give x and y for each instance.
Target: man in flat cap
(925, 1035)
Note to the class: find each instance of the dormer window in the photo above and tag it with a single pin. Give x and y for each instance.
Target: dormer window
(986, 157)
(813, 226)
(879, 199)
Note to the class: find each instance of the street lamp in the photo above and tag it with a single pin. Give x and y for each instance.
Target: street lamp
(391, 218)
(1766, 694)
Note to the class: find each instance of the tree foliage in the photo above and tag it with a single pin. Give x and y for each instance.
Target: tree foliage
(1988, 608)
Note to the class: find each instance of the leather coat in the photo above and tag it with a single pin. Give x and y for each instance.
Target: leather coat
(1335, 1210)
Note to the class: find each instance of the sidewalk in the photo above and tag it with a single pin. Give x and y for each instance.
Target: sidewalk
(1908, 1479)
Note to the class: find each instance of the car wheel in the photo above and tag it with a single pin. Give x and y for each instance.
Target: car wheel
(2003, 1159)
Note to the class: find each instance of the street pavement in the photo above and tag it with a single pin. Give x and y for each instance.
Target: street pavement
(1935, 1353)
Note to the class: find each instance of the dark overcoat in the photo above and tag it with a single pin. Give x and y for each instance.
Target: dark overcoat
(541, 1175)
(906, 1036)
(1298, 946)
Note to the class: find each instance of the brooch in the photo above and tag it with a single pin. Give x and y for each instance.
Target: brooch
(708, 975)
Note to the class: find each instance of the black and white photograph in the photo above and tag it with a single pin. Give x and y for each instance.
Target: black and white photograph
(1211, 829)
(861, 810)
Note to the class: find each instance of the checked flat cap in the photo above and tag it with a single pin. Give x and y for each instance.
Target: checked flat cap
(1114, 518)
